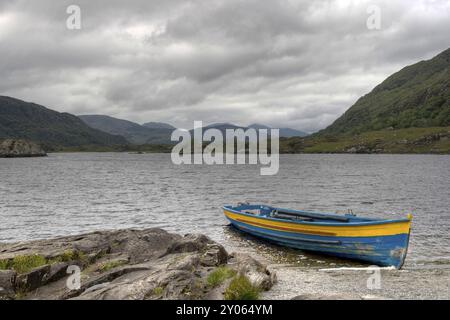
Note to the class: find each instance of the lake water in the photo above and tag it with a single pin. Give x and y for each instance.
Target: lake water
(71, 193)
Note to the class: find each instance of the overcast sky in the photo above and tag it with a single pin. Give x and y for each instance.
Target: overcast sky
(283, 63)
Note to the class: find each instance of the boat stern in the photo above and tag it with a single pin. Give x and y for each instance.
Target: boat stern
(399, 254)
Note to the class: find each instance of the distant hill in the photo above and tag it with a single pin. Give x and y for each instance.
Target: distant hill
(258, 126)
(133, 132)
(51, 129)
(158, 125)
(284, 132)
(416, 96)
(223, 127)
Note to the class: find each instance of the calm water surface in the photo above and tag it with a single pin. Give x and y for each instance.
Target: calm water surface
(71, 193)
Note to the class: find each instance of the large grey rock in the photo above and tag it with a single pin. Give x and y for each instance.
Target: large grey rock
(256, 272)
(211, 253)
(33, 279)
(139, 245)
(7, 283)
(130, 264)
(189, 243)
(13, 148)
(56, 272)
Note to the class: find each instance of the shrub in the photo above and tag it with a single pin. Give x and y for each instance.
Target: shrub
(158, 291)
(69, 255)
(219, 275)
(241, 288)
(4, 264)
(24, 264)
(111, 265)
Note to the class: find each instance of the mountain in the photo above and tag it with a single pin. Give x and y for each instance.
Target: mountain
(30, 121)
(223, 127)
(288, 132)
(158, 125)
(416, 96)
(133, 132)
(258, 126)
(284, 132)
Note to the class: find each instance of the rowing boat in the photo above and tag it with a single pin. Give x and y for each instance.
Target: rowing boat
(383, 242)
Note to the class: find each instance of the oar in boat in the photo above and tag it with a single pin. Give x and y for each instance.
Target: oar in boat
(311, 215)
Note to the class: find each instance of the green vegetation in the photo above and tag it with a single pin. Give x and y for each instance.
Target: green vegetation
(133, 132)
(219, 275)
(69, 255)
(23, 264)
(51, 129)
(4, 264)
(106, 266)
(416, 96)
(410, 140)
(21, 292)
(241, 288)
(158, 291)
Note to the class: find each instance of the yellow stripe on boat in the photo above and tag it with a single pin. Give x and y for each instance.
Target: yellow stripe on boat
(385, 229)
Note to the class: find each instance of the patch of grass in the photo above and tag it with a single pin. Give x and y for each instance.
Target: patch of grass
(111, 265)
(241, 288)
(21, 293)
(158, 291)
(219, 275)
(69, 255)
(24, 264)
(4, 264)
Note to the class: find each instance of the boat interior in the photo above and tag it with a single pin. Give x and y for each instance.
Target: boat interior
(296, 215)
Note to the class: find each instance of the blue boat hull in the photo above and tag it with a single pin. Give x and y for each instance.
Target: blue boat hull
(388, 250)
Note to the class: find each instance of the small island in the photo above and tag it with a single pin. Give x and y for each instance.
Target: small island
(15, 148)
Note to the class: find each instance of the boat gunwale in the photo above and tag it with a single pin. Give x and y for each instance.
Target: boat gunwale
(338, 224)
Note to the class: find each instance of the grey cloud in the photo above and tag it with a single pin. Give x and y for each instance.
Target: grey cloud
(283, 62)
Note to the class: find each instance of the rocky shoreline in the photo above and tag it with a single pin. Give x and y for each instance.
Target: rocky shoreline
(129, 264)
(13, 148)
